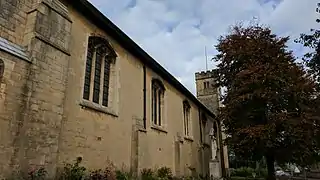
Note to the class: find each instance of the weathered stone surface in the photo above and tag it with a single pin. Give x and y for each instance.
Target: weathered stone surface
(206, 92)
(13, 18)
(13, 105)
(45, 122)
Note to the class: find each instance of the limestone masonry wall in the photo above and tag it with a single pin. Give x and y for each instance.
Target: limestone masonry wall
(13, 16)
(33, 90)
(45, 122)
(207, 95)
(13, 96)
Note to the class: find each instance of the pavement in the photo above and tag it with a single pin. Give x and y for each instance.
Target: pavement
(302, 178)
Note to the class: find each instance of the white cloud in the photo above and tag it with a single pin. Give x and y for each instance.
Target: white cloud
(175, 32)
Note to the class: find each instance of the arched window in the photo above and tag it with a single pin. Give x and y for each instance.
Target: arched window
(1, 69)
(186, 118)
(157, 101)
(100, 55)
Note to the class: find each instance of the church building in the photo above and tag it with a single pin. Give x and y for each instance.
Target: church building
(72, 84)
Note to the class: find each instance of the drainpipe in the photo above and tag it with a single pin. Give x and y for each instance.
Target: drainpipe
(200, 126)
(144, 98)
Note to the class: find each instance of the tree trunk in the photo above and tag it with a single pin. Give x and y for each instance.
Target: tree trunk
(270, 166)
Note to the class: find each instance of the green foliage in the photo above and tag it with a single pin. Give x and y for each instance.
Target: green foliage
(73, 171)
(77, 172)
(243, 172)
(33, 174)
(103, 175)
(121, 175)
(109, 173)
(262, 172)
(248, 172)
(164, 173)
(96, 175)
(39, 174)
(312, 41)
(147, 174)
(312, 61)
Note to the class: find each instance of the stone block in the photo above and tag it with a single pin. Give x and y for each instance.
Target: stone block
(215, 169)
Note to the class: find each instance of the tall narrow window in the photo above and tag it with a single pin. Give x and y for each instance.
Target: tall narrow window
(186, 118)
(100, 55)
(1, 70)
(206, 85)
(157, 102)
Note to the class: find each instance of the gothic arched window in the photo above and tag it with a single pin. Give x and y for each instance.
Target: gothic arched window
(157, 101)
(186, 118)
(100, 55)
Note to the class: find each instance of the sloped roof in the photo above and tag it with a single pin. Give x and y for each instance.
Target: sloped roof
(95, 16)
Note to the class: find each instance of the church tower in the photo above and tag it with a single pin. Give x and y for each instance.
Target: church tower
(207, 93)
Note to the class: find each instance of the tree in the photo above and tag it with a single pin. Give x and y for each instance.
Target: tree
(269, 106)
(312, 59)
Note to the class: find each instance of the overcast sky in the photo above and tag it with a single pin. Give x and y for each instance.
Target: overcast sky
(175, 32)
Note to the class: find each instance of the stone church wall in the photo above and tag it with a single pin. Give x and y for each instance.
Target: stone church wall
(43, 121)
(13, 93)
(34, 119)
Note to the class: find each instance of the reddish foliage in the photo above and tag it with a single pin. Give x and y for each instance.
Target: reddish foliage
(270, 109)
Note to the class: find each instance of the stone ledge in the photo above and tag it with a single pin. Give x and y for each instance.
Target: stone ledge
(142, 130)
(97, 107)
(13, 49)
(47, 41)
(159, 129)
(189, 138)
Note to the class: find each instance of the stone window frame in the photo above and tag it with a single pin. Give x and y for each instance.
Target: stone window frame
(112, 93)
(187, 125)
(157, 104)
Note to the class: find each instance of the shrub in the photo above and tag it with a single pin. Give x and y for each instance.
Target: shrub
(38, 174)
(164, 173)
(262, 172)
(242, 172)
(108, 174)
(147, 174)
(122, 175)
(77, 172)
(73, 171)
(97, 175)
(33, 174)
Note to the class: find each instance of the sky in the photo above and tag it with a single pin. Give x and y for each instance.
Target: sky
(176, 32)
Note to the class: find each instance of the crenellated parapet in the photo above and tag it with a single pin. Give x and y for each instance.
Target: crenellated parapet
(206, 74)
